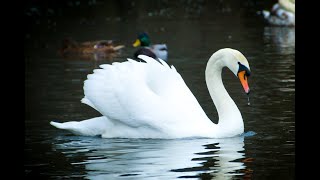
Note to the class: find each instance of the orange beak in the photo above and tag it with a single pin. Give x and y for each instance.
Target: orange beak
(244, 81)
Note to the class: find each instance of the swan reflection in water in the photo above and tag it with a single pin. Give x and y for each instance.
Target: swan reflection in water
(283, 38)
(156, 158)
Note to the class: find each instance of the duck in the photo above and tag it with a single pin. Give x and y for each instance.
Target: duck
(155, 51)
(70, 46)
(281, 13)
(151, 100)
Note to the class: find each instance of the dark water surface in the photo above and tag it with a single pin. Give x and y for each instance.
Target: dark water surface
(53, 88)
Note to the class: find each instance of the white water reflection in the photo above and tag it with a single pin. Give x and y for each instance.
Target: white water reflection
(283, 38)
(154, 158)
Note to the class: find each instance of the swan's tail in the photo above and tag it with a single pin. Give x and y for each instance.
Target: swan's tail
(58, 125)
(91, 127)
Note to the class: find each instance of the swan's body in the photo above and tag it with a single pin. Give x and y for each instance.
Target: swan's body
(151, 100)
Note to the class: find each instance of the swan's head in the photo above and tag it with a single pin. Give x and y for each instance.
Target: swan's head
(238, 64)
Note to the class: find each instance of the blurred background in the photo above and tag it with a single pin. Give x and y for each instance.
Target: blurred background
(192, 31)
(122, 20)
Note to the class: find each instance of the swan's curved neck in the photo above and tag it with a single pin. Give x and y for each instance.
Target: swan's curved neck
(230, 119)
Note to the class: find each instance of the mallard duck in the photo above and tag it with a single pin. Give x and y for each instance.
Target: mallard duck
(155, 51)
(70, 46)
(281, 14)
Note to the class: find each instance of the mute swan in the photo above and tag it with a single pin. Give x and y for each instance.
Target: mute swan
(151, 100)
(155, 51)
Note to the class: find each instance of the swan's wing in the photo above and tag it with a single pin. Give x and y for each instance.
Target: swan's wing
(141, 94)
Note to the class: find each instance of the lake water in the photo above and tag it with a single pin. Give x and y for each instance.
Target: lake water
(193, 31)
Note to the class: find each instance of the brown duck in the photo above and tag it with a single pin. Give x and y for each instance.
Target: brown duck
(70, 46)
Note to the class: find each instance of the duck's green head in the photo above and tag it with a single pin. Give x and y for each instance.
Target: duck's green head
(142, 40)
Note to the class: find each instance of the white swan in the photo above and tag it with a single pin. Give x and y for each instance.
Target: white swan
(151, 100)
